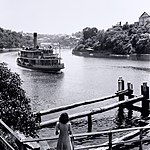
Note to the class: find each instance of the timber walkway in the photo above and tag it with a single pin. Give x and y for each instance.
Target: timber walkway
(126, 100)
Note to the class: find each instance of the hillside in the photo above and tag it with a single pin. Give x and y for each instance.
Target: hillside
(120, 39)
(12, 39)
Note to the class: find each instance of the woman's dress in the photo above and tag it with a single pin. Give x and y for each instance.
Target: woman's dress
(64, 141)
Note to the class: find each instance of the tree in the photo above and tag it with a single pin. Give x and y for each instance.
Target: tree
(15, 109)
(89, 32)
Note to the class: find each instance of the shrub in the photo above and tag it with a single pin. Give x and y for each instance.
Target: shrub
(15, 109)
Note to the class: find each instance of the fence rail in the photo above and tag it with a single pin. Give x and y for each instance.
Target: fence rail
(122, 103)
(93, 111)
(5, 145)
(110, 144)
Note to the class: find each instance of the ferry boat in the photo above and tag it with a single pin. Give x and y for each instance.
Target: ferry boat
(40, 58)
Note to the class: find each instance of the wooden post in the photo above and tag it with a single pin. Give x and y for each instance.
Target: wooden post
(89, 123)
(130, 92)
(21, 146)
(121, 97)
(72, 142)
(140, 146)
(121, 87)
(38, 117)
(110, 141)
(145, 102)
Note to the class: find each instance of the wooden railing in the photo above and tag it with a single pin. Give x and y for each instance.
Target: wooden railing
(122, 103)
(12, 134)
(14, 138)
(108, 145)
(121, 93)
(94, 111)
(5, 145)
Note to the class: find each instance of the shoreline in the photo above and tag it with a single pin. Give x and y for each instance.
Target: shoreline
(5, 50)
(144, 57)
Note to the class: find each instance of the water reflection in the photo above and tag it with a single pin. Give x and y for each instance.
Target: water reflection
(43, 88)
(147, 69)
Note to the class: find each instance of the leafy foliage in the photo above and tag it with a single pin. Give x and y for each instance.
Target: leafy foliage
(126, 39)
(15, 108)
(12, 39)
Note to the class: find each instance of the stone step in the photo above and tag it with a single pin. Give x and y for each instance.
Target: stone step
(44, 145)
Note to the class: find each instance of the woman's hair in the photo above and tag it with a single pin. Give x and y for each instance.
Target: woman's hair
(64, 118)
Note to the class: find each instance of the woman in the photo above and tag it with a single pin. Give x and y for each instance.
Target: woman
(63, 128)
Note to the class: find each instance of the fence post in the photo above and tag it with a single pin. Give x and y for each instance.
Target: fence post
(38, 117)
(121, 97)
(130, 92)
(89, 123)
(72, 142)
(145, 102)
(110, 141)
(140, 146)
(21, 146)
(120, 88)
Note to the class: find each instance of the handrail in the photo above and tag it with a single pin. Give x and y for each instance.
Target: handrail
(10, 130)
(94, 111)
(18, 139)
(97, 133)
(82, 103)
(5, 142)
(86, 134)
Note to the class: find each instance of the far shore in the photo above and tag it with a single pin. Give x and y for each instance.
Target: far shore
(4, 50)
(145, 57)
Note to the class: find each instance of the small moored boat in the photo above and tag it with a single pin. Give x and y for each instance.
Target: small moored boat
(40, 58)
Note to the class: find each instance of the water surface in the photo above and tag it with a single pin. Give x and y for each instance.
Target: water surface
(83, 78)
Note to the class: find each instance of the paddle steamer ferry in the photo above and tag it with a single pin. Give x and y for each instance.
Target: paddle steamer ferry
(40, 58)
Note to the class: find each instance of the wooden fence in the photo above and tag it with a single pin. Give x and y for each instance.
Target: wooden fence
(111, 142)
(122, 103)
(14, 141)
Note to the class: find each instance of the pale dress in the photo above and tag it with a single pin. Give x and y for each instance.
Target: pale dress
(64, 141)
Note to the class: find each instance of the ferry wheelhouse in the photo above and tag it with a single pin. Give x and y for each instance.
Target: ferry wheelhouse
(40, 58)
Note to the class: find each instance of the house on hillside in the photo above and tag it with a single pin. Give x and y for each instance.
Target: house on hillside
(144, 19)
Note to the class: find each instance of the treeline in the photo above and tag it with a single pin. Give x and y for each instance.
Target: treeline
(120, 39)
(12, 39)
(64, 40)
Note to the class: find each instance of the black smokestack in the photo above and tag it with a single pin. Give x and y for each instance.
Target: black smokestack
(35, 39)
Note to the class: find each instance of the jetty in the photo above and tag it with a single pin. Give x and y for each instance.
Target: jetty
(126, 99)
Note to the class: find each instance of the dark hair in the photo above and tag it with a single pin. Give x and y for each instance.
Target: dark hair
(64, 118)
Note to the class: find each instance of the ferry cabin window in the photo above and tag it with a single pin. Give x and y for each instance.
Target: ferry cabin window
(26, 60)
(33, 62)
(48, 62)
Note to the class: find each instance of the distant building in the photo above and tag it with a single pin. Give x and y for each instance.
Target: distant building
(144, 19)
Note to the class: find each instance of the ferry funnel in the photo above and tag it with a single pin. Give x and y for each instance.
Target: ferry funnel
(35, 39)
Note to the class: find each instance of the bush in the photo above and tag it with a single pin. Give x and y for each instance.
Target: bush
(15, 109)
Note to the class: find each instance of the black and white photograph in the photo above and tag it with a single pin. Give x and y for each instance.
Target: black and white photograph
(74, 75)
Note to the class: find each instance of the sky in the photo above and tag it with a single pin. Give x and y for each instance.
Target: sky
(68, 16)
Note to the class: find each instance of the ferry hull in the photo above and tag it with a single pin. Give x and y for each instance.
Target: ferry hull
(53, 69)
